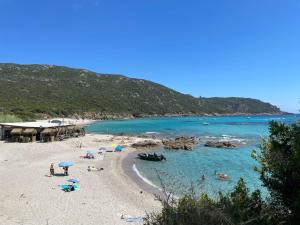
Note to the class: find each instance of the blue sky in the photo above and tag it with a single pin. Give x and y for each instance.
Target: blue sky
(200, 47)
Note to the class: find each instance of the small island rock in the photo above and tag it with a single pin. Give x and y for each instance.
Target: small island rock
(183, 143)
(220, 144)
(146, 144)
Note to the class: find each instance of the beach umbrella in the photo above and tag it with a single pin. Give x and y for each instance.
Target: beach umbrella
(73, 181)
(92, 152)
(118, 148)
(65, 164)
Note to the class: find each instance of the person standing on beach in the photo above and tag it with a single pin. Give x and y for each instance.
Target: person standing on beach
(51, 169)
(66, 171)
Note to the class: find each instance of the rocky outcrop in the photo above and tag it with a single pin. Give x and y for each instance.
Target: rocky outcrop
(103, 116)
(124, 116)
(146, 144)
(183, 143)
(220, 144)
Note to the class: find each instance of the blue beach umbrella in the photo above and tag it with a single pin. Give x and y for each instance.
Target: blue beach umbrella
(92, 152)
(65, 164)
(75, 181)
(118, 148)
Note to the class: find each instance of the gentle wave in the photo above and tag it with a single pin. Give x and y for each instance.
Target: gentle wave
(226, 137)
(151, 132)
(150, 183)
(143, 178)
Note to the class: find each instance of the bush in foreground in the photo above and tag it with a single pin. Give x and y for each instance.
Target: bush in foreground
(280, 169)
(238, 207)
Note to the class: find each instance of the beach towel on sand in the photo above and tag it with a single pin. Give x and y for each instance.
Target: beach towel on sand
(135, 219)
(65, 187)
(132, 219)
(92, 168)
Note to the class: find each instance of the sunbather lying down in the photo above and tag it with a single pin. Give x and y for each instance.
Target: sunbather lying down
(88, 156)
(92, 168)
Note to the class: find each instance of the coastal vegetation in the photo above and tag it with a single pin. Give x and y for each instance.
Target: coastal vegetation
(279, 170)
(35, 91)
(8, 118)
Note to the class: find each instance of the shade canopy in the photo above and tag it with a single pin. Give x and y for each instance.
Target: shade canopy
(65, 164)
(73, 181)
(29, 131)
(92, 152)
(62, 129)
(49, 131)
(71, 127)
(16, 131)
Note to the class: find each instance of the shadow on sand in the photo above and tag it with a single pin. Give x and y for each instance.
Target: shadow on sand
(57, 175)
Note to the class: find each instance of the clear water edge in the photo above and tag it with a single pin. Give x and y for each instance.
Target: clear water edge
(184, 168)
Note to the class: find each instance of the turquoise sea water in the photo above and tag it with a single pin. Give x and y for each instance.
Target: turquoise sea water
(184, 168)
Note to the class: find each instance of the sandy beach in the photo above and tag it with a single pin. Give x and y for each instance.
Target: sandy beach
(29, 196)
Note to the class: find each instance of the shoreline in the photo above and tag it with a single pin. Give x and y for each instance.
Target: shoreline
(121, 116)
(127, 165)
(142, 116)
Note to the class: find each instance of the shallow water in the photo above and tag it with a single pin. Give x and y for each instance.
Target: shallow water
(184, 168)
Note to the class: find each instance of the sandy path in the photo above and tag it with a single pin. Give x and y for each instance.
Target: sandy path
(30, 197)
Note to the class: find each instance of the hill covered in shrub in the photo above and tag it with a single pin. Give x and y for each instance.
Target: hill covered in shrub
(31, 90)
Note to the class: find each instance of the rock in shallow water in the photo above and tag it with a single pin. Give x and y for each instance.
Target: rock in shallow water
(146, 144)
(183, 143)
(220, 144)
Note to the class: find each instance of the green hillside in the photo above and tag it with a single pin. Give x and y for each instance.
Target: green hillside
(35, 90)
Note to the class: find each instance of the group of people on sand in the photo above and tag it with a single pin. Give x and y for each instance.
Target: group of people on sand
(66, 170)
(88, 156)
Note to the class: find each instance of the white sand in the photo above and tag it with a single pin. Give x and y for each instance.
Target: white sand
(28, 196)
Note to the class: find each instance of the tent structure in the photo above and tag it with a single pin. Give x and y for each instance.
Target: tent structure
(29, 134)
(38, 131)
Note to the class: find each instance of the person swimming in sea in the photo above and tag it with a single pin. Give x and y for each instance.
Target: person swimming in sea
(222, 176)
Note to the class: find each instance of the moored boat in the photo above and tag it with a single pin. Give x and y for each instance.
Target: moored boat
(151, 157)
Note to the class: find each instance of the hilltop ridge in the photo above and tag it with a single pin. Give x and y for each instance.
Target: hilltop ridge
(49, 90)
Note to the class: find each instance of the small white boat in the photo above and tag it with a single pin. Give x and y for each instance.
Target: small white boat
(205, 123)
